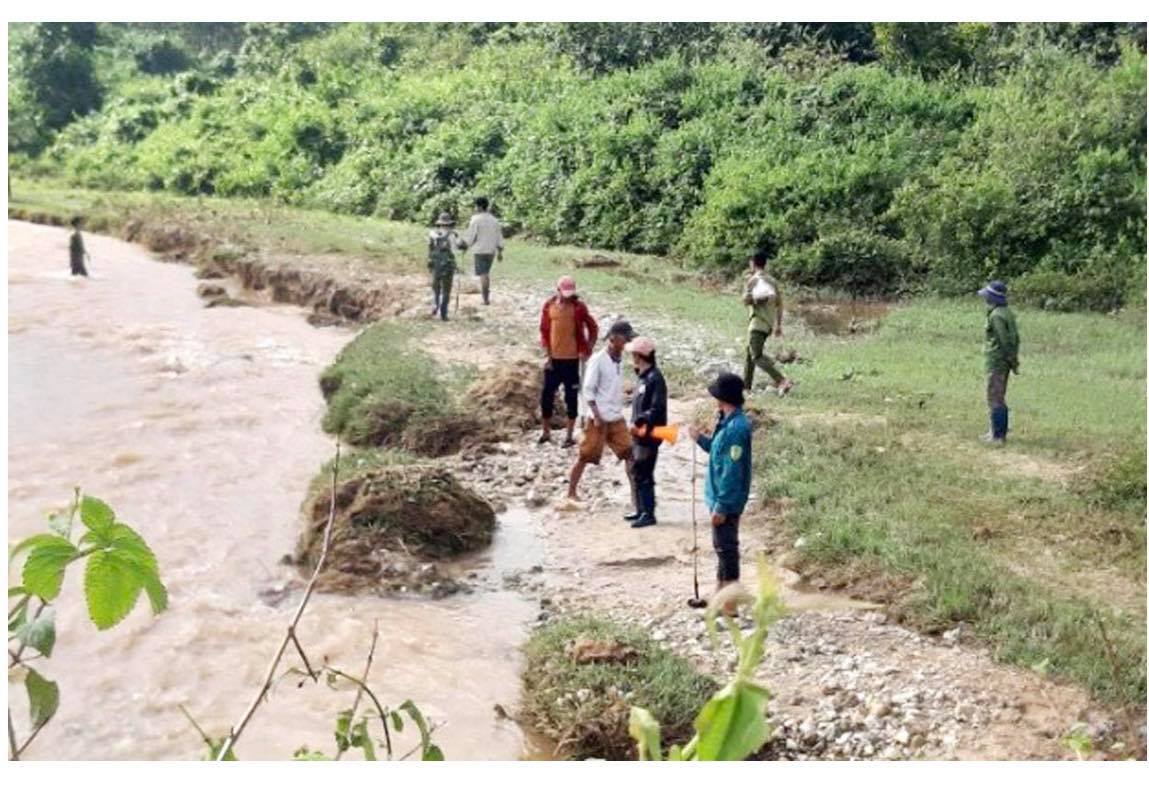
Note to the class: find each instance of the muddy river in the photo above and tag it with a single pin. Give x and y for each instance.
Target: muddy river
(201, 428)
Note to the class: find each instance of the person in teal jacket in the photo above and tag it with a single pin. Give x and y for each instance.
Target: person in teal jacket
(728, 473)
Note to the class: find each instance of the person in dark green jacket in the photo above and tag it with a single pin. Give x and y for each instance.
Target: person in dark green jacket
(728, 472)
(1001, 346)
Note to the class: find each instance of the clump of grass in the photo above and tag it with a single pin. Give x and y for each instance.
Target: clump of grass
(586, 707)
(1120, 484)
(378, 386)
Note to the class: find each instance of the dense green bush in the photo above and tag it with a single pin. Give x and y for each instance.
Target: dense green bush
(962, 153)
(1050, 175)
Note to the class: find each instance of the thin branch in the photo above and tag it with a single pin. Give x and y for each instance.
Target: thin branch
(359, 692)
(13, 748)
(30, 739)
(194, 724)
(362, 686)
(434, 726)
(311, 672)
(238, 729)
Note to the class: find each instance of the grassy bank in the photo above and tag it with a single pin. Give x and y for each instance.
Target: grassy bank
(876, 452)
(585, 706)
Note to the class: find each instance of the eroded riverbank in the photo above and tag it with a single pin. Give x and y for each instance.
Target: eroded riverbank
(200, 426)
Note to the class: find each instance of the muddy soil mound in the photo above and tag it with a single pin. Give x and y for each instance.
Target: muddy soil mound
(391, 524)
(510, 396)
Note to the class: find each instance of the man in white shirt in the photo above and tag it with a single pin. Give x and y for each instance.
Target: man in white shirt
(602, 391)
(484, 237)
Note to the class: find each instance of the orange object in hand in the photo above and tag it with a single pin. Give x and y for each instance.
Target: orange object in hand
(664, 433)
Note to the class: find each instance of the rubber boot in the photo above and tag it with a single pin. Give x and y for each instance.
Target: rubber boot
(999, 421)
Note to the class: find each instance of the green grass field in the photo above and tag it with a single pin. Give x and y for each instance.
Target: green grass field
(876, 455)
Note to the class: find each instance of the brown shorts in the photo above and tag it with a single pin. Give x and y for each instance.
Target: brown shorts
(594, 438)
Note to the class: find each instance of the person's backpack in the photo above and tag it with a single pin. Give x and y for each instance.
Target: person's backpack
(441, 243)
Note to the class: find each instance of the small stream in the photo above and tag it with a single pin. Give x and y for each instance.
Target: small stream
(201, 428)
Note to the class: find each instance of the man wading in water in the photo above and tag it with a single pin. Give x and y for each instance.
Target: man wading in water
(602, 389)
(567, 332)
(76, 252)
(484, 237)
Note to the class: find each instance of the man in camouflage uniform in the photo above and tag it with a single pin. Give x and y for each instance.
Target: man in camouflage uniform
(442, 243)
(1001, 345)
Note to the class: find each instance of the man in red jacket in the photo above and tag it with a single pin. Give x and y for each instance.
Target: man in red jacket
(567, 332)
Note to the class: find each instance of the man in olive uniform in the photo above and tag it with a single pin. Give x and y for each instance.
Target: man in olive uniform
(764, 298)
(442, 243)
(76, 252)
(1001, 345)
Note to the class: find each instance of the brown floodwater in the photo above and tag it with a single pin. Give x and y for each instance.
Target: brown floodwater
(201, 428)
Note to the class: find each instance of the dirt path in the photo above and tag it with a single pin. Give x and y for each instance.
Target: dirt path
(848, 682)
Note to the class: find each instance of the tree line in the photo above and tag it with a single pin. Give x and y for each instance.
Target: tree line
(874, 159)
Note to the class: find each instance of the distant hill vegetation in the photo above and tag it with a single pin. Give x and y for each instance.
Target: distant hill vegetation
(875, 159)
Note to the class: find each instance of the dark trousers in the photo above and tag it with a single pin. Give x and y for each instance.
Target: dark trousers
(995, 387)
(725, 539)
(441, 286)
(645, 457)
(78, 266)
(565, 373)
(756, 357)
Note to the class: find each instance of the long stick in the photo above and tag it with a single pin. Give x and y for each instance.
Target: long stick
(694, 508)
(289, 635)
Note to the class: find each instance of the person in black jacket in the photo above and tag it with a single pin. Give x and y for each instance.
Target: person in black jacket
(649, 410)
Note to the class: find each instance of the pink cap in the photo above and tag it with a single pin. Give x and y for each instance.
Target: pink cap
(567, 285)
(641, 345)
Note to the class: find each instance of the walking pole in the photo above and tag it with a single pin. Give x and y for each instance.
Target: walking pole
(695, 601)
(458, 287)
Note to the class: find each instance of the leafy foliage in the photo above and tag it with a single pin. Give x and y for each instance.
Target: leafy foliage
(871, 158)
(119, 566)
(732, 724)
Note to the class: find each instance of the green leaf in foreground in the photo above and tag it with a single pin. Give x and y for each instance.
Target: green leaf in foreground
(112, 584)
(39, 633)
(116, 574)
(44, 568)
(43, 697)
(732, 724)
(96, 515)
